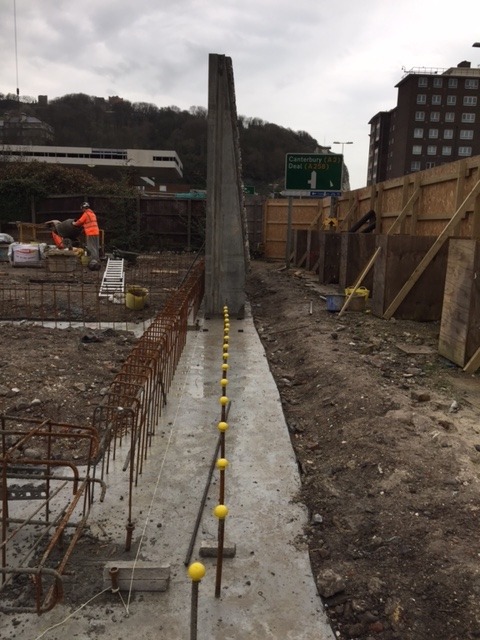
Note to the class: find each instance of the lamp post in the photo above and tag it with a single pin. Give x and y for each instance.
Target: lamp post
(343, 159)
(343, 144)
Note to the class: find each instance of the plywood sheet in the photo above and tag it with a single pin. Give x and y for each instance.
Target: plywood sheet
(457, 302)
(400, 256)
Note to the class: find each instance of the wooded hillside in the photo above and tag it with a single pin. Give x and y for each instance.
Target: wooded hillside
(82, 120)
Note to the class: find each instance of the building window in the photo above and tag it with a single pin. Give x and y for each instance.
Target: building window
(435, 116)
(432, 150)
(438, 82)
(468, 117)
(433, 133)
(417, 150)
(451, 100)
(436, 99)
(452, 83)
(419, 116)
(415, 165)
(430, 165)
(469, 101)
(421, 98)
(446, 151)
(418, 133)
(450, 116)
(448, 134)
(422, 81)
(471, 83)
(466, 134)
(464, 151)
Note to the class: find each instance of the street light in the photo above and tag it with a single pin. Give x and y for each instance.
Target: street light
(343, 144)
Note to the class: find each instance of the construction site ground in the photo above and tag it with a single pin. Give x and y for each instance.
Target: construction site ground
(387, 438)
(267, 588)
(384, 436)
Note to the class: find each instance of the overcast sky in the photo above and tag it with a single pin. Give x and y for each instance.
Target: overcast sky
(310, 65)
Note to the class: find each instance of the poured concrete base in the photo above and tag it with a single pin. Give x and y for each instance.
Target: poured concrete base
(267, 589)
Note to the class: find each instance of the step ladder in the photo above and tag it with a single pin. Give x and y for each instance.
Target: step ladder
(113, 280)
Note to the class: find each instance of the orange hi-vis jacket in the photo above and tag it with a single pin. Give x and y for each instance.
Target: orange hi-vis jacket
(88, 220)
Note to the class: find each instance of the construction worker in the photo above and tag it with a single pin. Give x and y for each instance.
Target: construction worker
(88, 221)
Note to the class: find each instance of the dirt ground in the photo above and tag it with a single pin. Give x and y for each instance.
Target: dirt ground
(59, 374)
(386, 434)
(387, 439)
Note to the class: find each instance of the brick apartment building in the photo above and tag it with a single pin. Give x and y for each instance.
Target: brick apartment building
(436, 120)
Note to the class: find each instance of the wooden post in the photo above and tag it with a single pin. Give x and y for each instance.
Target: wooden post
(288, 248)
(459, 191)
(405, 199)
(415, 205)
(399, 219)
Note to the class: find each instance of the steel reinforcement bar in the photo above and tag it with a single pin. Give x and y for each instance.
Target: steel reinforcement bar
(42, 495)
(65, 298)
(134, 401)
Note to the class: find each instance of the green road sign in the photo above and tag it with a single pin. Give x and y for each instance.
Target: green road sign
(248, 190)
(313, 173)
(191, 195)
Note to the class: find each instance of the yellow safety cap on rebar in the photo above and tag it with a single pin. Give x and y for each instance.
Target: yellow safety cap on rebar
(222, 464)
(196, 571)
(226, 338)
(224, 382)
(222, 426)
(220, 511)
(225, 355)
(225, 346)
(224, 366)
(224, 401)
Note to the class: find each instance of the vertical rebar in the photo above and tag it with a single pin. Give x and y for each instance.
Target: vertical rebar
(221, 542)
(194, 611)
(114, 578)
(196, 571)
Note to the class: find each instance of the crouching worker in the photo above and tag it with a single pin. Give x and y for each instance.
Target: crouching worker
(88, 222)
